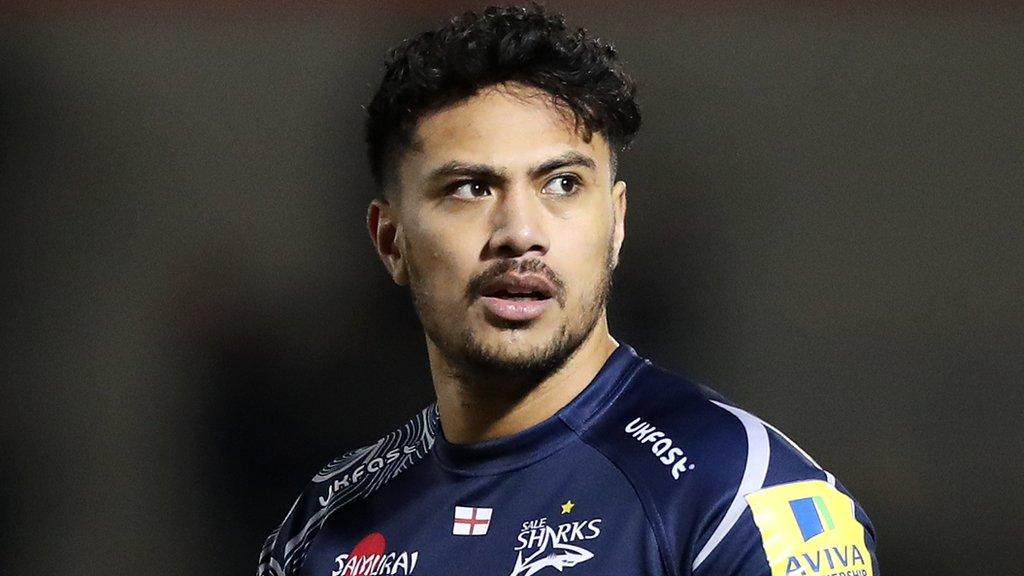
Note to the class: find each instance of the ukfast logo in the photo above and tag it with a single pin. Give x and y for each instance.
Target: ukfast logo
(661, 446)
(542, 546)
(363, 469)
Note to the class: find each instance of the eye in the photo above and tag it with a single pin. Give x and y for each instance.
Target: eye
(563, 185)
(469, 189)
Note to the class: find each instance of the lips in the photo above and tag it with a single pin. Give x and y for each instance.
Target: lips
(517, 297)
(519, 287)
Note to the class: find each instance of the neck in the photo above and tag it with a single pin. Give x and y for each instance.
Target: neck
(476, 407)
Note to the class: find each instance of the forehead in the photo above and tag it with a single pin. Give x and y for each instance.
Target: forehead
(507, 126)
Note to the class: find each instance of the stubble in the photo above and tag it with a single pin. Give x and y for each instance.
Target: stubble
(477, 360)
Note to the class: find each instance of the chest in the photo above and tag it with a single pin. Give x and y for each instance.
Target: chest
(544, 521)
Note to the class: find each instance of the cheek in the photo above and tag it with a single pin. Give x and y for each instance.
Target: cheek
(437, 265)
(586, 266)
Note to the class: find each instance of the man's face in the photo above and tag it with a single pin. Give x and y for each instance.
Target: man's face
(507, 228)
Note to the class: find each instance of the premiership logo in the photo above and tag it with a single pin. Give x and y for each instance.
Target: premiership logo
(559, 546)
(808, 528)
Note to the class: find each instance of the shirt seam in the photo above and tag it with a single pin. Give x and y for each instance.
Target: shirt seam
(650, 511)
(656, 523)
(620, 387)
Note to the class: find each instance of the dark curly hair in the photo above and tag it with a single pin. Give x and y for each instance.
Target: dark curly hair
(503, 44)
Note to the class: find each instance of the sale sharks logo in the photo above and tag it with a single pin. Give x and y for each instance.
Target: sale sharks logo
(542, 545)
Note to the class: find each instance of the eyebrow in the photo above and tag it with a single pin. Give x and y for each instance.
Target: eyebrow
(570, 158)
(490, 173)
(477, 171)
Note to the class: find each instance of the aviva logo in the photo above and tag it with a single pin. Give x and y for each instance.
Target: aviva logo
(809, 514)
(809, 528)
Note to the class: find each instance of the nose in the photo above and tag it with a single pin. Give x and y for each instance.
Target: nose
(517, 224)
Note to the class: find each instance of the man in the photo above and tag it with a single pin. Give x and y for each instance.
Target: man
(552, 448)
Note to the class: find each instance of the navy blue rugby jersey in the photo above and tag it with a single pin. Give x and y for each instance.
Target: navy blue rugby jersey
(643, 473)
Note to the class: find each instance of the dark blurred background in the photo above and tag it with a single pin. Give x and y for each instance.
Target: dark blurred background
(825, 222)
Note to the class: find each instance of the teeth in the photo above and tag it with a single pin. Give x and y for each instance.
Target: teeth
(519, 295)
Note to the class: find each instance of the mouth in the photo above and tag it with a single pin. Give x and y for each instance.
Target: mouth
(517, 298)
(519, 287)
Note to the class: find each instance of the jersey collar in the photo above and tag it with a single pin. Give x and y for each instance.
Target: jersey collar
(541, 440)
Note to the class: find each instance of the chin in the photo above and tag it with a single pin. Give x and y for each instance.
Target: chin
(522, 353)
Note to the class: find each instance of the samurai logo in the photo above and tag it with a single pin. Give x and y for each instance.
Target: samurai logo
(543, 546)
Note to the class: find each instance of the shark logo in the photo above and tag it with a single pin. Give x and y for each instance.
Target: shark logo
(560, 557)
(542, 546)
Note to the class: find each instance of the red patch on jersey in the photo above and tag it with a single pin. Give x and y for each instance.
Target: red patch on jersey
(373, 543)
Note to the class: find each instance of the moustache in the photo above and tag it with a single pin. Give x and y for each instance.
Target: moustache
(502, 267)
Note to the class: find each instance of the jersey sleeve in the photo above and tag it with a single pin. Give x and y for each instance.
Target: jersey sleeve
(727, 494)
(801, 528)
(344, 480)
(334, 486)
(283, 549)
(271, 561)
(786, 517)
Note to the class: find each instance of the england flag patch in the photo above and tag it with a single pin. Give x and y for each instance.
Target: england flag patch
(470, 521)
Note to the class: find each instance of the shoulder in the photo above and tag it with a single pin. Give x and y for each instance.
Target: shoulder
(353, 476)
(681, 434)
(694, 458)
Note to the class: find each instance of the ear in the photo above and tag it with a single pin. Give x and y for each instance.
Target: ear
(619, 209)
(387, 238)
